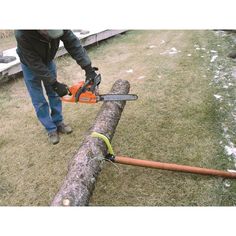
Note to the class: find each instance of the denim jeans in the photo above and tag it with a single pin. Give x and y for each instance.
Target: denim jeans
(49, 113)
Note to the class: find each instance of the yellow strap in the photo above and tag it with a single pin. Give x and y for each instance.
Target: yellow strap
(105, 139)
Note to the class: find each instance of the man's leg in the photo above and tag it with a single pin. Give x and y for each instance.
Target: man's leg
(40, 104)
(54, 100)
(56, 104)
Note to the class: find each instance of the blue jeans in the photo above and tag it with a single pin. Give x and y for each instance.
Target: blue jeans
(49, 114)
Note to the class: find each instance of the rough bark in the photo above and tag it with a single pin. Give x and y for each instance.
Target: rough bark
(85, 166)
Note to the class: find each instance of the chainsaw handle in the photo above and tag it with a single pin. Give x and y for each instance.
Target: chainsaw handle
(81, 90)
(77, 96)
(70, 97)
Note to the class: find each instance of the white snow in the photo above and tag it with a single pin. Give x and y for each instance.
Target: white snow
(170, 51)
(163, 41)
(217, 96)
(230, 150)
(232, 171)
(234, 73)
(130, 71)
(213, 58)
(141, 77)
(227, 183)
(152, 46)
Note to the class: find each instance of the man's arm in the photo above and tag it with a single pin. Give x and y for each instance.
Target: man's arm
(32, 59)
(75, 49)
(35, 63)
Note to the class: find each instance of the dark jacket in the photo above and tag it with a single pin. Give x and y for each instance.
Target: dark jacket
(36, 52)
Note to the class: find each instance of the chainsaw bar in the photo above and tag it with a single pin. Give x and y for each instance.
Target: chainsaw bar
(117, 97)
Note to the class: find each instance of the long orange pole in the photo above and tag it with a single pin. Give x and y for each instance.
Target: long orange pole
(173, 167)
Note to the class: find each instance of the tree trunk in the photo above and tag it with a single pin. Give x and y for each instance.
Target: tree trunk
(85, 166)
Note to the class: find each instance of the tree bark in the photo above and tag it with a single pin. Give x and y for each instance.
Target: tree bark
(85, 166)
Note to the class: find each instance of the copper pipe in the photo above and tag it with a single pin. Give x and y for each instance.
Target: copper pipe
(173, 167)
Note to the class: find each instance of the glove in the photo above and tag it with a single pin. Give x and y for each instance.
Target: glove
(90, 73)
(60, 88)
(92, 77)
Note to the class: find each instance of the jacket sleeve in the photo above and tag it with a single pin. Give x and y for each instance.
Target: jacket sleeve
(75, 49)
(32, 59)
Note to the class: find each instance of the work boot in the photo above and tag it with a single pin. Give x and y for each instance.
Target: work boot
(64, 129)
(53, 137)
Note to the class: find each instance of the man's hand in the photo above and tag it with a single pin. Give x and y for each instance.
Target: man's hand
(90, 72)
(60, 88)
(91, 76)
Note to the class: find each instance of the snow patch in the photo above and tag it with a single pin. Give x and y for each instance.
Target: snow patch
(163, 41)
(230, 150)
(227, 183)
(130, 71)
(170, 51)
(214, 58)
(141, 77)
(217, 96)
(234, 73)
(152, 46)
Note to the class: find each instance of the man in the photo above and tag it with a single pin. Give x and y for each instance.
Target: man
(37, 50)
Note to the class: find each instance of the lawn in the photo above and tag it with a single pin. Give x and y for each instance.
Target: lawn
(178, 118)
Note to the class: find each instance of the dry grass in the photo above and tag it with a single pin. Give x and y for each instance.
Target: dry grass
(6, 33)
(7, 39)
(174, 120)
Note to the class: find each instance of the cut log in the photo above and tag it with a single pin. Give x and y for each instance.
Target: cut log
(85, 166)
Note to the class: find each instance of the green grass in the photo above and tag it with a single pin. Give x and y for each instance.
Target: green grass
(176, 119)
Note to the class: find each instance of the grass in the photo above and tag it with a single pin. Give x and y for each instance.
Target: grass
(7, 39)
(6, 33)
(175, 122)
(176, 119)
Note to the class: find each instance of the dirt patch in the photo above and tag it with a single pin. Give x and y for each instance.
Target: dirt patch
(176, 119)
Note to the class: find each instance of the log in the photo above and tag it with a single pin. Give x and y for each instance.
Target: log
(84, 168)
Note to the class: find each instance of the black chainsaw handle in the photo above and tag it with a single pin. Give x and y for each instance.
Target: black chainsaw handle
(96, 81)
(82, 90)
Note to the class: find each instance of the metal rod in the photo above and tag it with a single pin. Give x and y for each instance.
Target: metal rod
(173, 167)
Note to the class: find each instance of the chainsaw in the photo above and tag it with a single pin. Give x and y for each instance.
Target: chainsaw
(86, 92)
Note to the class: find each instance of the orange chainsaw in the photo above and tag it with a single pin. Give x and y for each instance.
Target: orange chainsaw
(85, 92)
